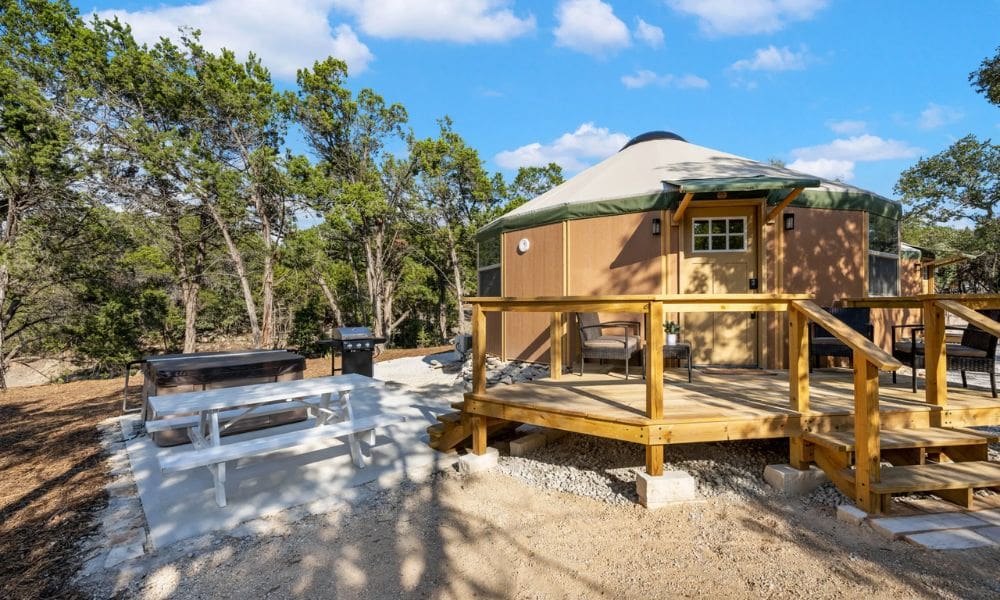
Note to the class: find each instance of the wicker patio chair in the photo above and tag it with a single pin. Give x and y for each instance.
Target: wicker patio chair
(823, 343)
(976, 352)
(594, 344)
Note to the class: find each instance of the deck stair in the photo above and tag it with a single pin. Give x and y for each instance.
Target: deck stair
(948, 462)
(453, 429)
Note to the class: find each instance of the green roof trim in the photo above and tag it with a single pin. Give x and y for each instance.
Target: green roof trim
(858, 200)
(742, 184)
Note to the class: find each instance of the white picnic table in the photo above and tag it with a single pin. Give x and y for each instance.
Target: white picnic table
(200, 412)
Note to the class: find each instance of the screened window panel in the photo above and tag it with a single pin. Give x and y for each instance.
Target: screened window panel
(489, 282)
(883, 275)
(489, 252)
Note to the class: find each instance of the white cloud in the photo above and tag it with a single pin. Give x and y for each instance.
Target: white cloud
(937, 115)
(847, 127)
(773, 59)
(650, 34)
(745, 17)
(645, 77)
(837, 159)
(462, 21)
(591, 27)
(864, 147)
(827, 168)
(287, 36)
(573, 151)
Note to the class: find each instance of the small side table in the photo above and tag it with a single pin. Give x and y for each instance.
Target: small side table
(680, 351)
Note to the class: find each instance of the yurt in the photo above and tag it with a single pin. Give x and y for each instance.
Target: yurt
(666, 216)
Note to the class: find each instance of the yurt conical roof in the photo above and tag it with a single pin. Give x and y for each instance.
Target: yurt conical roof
(655, 170)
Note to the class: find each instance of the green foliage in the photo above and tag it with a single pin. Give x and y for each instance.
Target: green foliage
(307, 328)
(986, 79)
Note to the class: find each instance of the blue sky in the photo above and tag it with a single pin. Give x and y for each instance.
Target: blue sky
(855, 90)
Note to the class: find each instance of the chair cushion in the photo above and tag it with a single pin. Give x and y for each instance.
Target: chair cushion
(952, 349)
(612, 342)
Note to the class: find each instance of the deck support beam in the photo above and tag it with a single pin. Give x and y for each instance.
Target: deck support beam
(934, 354)
(867, 457)
(798, 381)
(556, 346)
(654, 361)
(478, 425)
(654, 461)
(478, 350)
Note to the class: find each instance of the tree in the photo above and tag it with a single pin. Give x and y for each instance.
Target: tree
(986, 79)
(364, 193)
(44, 96)
(454, 189)
(531, 182)
(962, 185)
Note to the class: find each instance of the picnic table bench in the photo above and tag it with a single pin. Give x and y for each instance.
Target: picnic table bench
(201, 413)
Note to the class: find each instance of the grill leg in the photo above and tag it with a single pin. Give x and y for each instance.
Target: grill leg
(626, 365)
(965, 382)
(993, 382)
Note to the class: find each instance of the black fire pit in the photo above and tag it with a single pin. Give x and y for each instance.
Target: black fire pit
(356, 346)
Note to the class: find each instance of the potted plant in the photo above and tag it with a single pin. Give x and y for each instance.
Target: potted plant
(672, 330)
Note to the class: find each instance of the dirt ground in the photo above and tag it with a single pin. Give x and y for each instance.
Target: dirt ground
(485, 536)
(490, 536)
(52, 476)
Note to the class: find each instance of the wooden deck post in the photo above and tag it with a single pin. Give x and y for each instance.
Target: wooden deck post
(478, 435)
(934, 354)
(867, 451)
(556, 346)
(478, 350)
(798, 380)
(654, 461)
(654, 367)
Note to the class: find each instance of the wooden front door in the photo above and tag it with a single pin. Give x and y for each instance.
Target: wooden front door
(720, 257)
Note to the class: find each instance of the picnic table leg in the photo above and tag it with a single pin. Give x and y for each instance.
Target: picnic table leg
(219, 472)
(352, 439)
(323, 414)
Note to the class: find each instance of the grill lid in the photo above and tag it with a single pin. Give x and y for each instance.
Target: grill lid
(353, 333)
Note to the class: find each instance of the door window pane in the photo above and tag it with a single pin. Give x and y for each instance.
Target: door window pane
(726, 234)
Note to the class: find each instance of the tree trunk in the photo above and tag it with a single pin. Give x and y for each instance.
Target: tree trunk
(267, 303)
(4, 285)
(189, 296)
(331, 298)
(442, 308)
(241, 272)
(456, 267)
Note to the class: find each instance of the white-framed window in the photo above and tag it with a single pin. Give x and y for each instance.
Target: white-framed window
(883, 256)
(719, 234)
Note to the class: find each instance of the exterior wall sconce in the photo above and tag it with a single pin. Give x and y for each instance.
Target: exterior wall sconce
(656, 226)
(789, 221)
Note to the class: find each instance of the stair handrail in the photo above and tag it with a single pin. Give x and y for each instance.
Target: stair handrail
(869, 359)
(843, 332)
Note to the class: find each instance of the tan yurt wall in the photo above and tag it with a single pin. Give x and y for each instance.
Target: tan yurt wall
(614, 255)
(539, 271)
(824, 255)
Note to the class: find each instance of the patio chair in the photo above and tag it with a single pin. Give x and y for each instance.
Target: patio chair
(594, 344)
(976, 352)
(823, 343)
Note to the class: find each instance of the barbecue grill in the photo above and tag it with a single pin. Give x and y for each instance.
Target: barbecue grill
(356, 346)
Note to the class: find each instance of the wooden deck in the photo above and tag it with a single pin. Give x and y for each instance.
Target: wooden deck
(720, 404)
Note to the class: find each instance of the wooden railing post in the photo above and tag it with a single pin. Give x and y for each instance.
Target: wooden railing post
(798, 381)
(478, 350)
(798, 360)
(556, 346)
(654, 355)
(934, 354)
(867, 451)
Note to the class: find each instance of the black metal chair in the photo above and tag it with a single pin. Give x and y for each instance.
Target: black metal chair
(976, 352)
(594, 344)
(823, 343)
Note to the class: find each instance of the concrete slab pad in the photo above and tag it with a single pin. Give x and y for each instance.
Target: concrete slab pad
(794, 482)
(991, 516)
(893, 527)
(951, 539)
(848, 513)
(671, 487)
(991, 533)
(181, 505)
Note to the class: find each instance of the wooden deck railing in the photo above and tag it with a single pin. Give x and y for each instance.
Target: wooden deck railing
(868, 358)
(934, 307)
